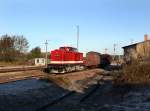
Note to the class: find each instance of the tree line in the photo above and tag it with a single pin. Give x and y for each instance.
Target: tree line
(15, 48)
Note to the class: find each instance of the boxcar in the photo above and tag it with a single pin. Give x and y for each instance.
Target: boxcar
(93, 59)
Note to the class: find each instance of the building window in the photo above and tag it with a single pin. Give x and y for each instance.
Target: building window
(37, 60)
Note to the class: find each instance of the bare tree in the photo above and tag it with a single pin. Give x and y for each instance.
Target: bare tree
(12, 47)
(6, 48)
(20, 44)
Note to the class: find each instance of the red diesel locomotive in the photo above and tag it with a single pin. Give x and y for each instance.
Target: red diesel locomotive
(68, 59)
(65, 59)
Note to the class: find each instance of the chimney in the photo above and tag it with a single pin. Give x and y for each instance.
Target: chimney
(146, 37)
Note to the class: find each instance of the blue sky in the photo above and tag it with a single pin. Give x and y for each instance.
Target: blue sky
(102, 22)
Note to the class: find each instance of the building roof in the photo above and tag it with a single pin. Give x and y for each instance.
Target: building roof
(135, 44)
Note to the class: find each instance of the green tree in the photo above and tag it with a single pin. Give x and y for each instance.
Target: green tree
(36, 52)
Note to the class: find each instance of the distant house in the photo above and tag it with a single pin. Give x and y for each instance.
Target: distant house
(137, 51)
(39, 61)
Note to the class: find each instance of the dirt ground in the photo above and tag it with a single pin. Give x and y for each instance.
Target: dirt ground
(31, 94)
(109, 98)
(79, 81)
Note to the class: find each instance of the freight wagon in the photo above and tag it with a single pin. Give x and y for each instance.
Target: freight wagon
(92, 59)
(95, 59)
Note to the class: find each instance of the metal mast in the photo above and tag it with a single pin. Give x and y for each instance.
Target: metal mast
(78, 37)
(46, 43)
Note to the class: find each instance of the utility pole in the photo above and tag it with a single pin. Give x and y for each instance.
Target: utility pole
(78, 37)
(46, 43)
(115, 50)
(105, 50)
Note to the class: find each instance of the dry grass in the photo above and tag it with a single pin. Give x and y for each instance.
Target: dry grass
(4, 64)
(136, 73)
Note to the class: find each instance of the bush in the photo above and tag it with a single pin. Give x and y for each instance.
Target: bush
(136, 73)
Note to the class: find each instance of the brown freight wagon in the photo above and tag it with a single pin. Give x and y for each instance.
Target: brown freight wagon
(93, 59)
(106, 60)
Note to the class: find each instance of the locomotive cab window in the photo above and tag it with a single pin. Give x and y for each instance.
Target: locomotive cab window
(68, 49)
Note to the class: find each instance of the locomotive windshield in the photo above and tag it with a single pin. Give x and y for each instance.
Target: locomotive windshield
(72, 49)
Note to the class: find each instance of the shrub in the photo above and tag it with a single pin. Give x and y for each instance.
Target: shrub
(136, 73)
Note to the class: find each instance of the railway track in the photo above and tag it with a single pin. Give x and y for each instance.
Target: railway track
(14, 79)
(12, 74)
(89, 94)
(57, 100)
(67, 95)
(16, 69)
